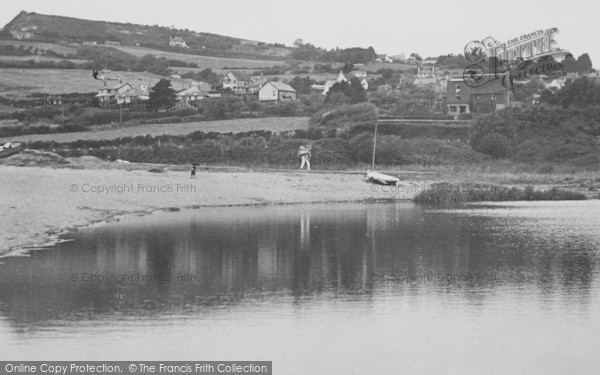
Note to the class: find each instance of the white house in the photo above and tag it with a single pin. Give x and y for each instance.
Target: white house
(109, 93)
(276, 92)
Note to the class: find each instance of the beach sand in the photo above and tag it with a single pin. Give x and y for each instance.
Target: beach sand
(37, 204)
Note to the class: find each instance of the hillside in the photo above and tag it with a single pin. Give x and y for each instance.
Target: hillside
(29, 25)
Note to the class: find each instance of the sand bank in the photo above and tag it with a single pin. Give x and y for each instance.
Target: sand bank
(37, 204)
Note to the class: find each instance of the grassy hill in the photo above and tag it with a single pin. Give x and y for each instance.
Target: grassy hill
(57, 28)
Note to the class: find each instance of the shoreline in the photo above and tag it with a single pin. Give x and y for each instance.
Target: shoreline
(41, 204)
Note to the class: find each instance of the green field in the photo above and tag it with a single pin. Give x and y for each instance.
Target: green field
(17, 82)
(274, 124)
(37, 58)
(214, 63)
(58, 48)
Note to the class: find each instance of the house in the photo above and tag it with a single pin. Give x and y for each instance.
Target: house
(21, 34)
(90, 43)
(206, 87)
(112, 43)
(430, 61)
(424, 71)
(191, 95)
(461, 97)
(177, 42)
(249, 43)
(237, 82)
(383, 58)
(276, 92)
(109, 93)
(244, 48)
(54, 99)
(360, 74)
(137, 92)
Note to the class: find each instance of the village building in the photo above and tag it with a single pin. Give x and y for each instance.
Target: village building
(276, 92)
(110, 93)
(461, 97)
(383, 58)
(237, 82)
(177, 41)
(135, 93)
(359, 74)
(191, 95)
(244, 48)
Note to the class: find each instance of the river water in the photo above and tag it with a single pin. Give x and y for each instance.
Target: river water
(320, 289)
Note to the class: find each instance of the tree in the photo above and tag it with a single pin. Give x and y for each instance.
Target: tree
(416, 56)
(162, 94)
(353, 90)
(581, 92)
(584, 63)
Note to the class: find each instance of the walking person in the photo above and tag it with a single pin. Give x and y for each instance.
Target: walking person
(193, 171)
(304, 153)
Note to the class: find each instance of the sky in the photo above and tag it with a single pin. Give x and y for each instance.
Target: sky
(430, 28)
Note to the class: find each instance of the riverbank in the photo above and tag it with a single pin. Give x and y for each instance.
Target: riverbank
(48, 197)
(40, 203)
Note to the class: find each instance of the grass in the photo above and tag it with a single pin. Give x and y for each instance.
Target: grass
(58, 48)
(273, 124)
(36, 58)
(214, 63)
(61, 81)
(449, 193)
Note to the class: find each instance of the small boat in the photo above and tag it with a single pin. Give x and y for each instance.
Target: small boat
(378, 177)
(381, 178)
(8, 149)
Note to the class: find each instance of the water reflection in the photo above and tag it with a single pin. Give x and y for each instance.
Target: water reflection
(213, 259)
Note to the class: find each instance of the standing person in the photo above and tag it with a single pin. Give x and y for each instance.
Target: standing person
(193, 170)
(304, 153)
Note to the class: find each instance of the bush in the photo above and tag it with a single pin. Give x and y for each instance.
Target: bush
(495, 145)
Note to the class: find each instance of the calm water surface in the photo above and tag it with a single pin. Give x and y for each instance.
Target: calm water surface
(321, 289)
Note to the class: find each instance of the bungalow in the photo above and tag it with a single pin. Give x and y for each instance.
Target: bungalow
(276, 92)
(190, 95)
(110, 93)
(237, 82)
(430, 61)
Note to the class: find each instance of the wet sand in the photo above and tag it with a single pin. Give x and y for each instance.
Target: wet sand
(37, 204)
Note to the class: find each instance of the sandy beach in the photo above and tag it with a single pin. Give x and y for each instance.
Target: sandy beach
(37, 204)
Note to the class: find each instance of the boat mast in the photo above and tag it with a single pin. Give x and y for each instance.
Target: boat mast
(374, 147)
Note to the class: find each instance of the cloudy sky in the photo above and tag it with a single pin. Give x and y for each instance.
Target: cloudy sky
(429, 28)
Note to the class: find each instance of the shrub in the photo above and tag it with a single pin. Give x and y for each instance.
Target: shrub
(495, 145)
